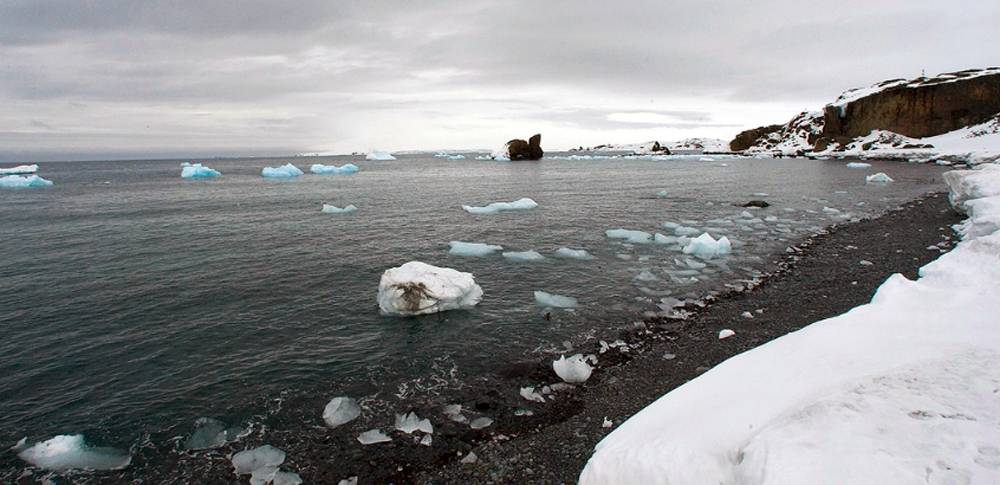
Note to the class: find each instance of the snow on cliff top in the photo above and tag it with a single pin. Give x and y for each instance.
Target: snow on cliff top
(900, 390)
(858, 93)
(693, 144)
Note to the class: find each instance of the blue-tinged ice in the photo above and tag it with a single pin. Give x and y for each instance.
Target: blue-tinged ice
(284, 171)
(461, 248)
(686, 231)
(661, 239)
(858, 165)
(197, 171)
(573, 253)
(319, 168)
(552, 300)
(879, 178)
(496, 207)
(705, 247)
(379, 155)
(68, 452)
(640, 237)
(332, 209)
(662, 194)
(23, 182)
(523, 256)
(456, 157)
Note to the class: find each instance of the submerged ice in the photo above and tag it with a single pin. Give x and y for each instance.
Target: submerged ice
(523, 256)
(211, 433)
(417, 288)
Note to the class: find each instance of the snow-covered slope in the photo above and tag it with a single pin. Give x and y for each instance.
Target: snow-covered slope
(712, 145)
(794, 138)
(901, 390)
(973, 145)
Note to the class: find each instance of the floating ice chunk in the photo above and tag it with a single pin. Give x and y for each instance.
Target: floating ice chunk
(23, 182)
(285, 171)
(747, 215)
(858, 165)
(417, 288)
(573, 253)
(639, 237)
(865, 262)
(20, 169)
(646, 275)
(879, 178)
(410, 422)
(481, 422)
(66, 452)
(211, 433)
(671, 225)
(771, 219)
(686, 231)
(726, 333)
(496, 207)
(525, 256)
(830, 210)
(530, 394)
(319, 168)
(441, 155)
(341, 410)
(574, 370)
(523, 412)
(332, 209)
(379, 155)
(247, 461)
(461, 248)
(662, 194)
(705, 247)
(372, 437)
(552, 300)
(456, 157)
(694, 264)
(197, 171)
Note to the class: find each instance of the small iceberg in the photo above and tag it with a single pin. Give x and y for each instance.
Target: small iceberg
(574, 370)
(705, 247)
(68, 452)
(379, 155)
(373, 436)
(460, 248)
(481, 422)
(551, 300)
(261, 463)
(410, 422)
(456, 157)
(20, 169)
(285, 171)
(496, 207)
(523, 256)
(319, 168)
(858, 165)
(417, 288)
(211, 433)
(640, 237)
(341, 410)
(573, 253)
(879, 178)
(23, 182)
(662, 194)
(197, 171)
(332, 209)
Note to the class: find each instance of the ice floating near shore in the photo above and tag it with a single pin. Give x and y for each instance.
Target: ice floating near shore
(379, 155)
(417, 288)
(574, 370)
(858, 165)
(319, 168)
(662, 194)
(410, 422)
(705, 247)
(524, 256)
(285, 171)
(262, 457)
(686, 231)
(373, 436)
(23, 182)
(496, 207)
(211, 433)
(573, 253)
(481, 422)
(197, 171)
(68, 452)
(332, 209)
(19, 170)
(640, 237)
(461, 248)
(551, 300)
(341, 410)
(879, 178)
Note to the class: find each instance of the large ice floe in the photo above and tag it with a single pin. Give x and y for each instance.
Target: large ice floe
(379, 155)
(23, 182)
(319, 168)
(285, 171)
(417, 288)
(68, 452)
(900, 390)
(197, 171)
(496, 207)
(19, 170)
(473, 249)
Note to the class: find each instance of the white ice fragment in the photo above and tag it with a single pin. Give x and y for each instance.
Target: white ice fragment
(686, 231)
(574, 370)
(879, 178)
(469, 458)
(831, 210)
(197, 170)
(530, 394)
(607, 423)
(661, 239)
(410, 422)
(427, 440)
(662, 194)
(23, 182)
(341, 410)
(319, 168)
(417, 288)
(640, 237)
(480, 422)
(771, 219)
(497, 207)
(349, 481)
(332, 209)
(552, 300)
(66, 452)
(746, 315)
(858, 165)
(211, 433)
(379, 155)
(286, 478)
(726, 333)
(705, 247)
(523, 256)
(373, 436)
(573, 253)
(20, 169)
(671, 225)
(247, 461)
(523, 412)
(646, 275)
(285, 171)
(865, 262)
(461, 248)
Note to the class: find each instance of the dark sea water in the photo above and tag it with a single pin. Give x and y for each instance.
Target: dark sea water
(133, 302)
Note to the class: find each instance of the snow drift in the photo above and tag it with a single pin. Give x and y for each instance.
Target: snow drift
(417, 288)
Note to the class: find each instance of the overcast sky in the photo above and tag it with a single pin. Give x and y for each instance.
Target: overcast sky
(124, 78)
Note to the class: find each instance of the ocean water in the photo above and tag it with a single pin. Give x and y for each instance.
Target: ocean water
(133, 302)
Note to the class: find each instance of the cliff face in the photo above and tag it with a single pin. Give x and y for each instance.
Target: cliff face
(919, 108)
(747, 139)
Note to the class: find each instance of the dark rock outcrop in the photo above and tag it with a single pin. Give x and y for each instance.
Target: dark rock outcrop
(748, 138)
(756, 203)
(518, 149)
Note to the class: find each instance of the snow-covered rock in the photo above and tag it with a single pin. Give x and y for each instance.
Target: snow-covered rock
(574, 370)
(23, 182)
(332, 209)
(496, 207)
(341, 410)
(551, 300)
(706, 247)
(379, 155)
(19, 169)
(417, 288)
(285, 171)
(197, 171)
(319, 168)
(462, 248)
(68, 452)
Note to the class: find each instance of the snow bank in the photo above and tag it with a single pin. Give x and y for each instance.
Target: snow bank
(417, 288)
(284, 171)
(23, 182)
(517, 205)
(65, 452)
(900, 390)
(461, 248)
(20, 169)
(319, 168)
(332, 209)
(197, 171)
(379, 155)
(552, 300)
(705, 247)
